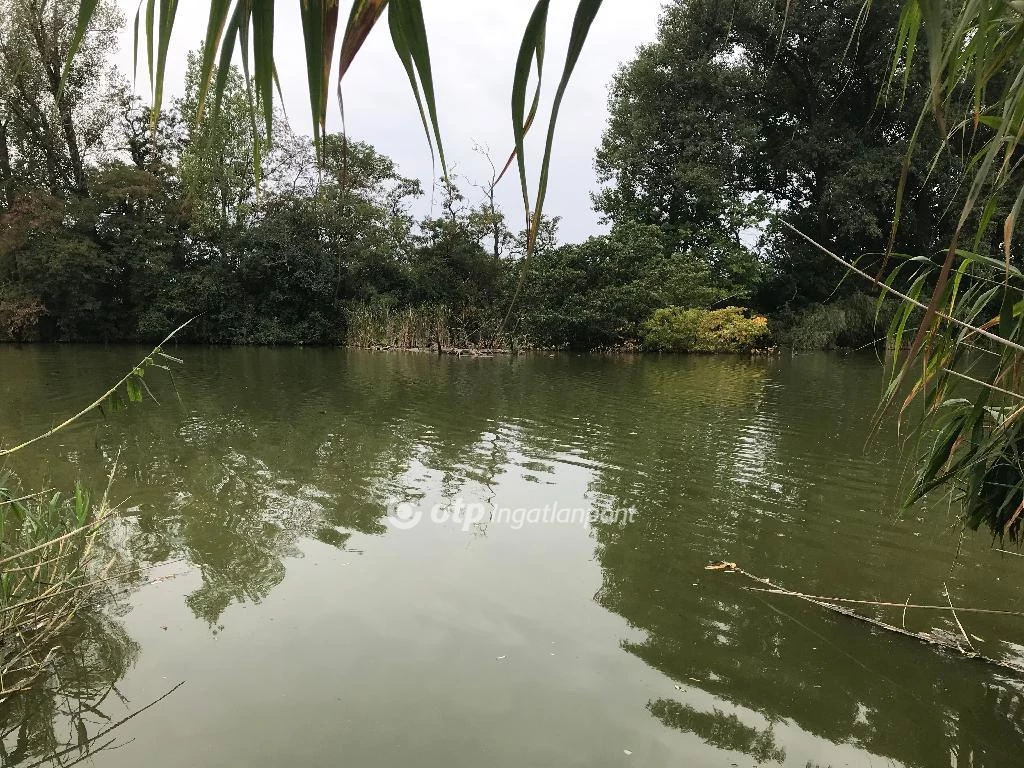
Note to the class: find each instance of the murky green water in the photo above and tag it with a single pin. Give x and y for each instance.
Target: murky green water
(310, 631)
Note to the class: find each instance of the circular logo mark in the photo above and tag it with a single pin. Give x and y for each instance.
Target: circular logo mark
(404, 515)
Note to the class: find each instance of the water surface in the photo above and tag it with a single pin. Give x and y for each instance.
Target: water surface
(310, 631)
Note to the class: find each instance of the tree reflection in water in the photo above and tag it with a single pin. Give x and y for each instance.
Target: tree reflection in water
(74, 701)
(760, 462)
(720, 730)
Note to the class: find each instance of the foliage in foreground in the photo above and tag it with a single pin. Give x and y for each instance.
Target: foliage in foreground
(50, 562)
(962, 317)
(674, 329)
(48, 567)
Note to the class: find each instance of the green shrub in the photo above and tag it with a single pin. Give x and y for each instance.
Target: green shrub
(674, 329)
(19, 316)
(849, 321)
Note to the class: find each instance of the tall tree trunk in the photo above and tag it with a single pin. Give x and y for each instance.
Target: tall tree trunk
(74, 153)
(53, 64)
(51, 159)
(67, 127)
(6, 177)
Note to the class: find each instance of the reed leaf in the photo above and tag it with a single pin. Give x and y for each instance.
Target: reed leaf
(168, 11)
(86, 8)
(263, 59)
(361, 19)
(586, 12)
(530, 50)
(220, 11)
(319, 27)
(975, 56)
(409, 36)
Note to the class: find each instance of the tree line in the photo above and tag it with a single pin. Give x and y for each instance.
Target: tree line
(118, 225)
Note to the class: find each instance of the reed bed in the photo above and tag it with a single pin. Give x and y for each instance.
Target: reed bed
(50, 567)
(380, 325)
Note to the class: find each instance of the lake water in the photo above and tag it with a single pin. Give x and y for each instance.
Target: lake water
(309, 630)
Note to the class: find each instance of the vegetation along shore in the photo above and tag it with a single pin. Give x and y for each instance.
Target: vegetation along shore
(657, 540)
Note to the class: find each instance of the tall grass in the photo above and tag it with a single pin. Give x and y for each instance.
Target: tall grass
(383, 325)
(49, 563)
(375, 325)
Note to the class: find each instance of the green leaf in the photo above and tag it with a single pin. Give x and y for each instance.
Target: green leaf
(586, 11)
(227, 48)
(219, 12)
(409, 36)
(135, 43)
(263, 60)
(86, 9)
(150, 36)
(319, 28)
(134, 390)
(243, 42)
(168, 10)
(81, 504)
(530, 49)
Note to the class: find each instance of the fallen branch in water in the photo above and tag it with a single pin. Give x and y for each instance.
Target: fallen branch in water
(932, 640)
(880, 603)
(1008, 552)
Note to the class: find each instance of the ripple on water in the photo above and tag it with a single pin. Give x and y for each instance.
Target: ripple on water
(272, 477)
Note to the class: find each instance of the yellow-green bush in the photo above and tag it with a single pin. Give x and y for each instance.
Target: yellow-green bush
(674, 329)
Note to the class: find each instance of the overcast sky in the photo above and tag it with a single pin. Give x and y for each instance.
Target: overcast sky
(473, 47)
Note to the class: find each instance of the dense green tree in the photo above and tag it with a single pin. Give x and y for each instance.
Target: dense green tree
(366, 226)
(218, 169)
(96, 264)
(51, 120)
(450, 267)
(744, 103)
(155, 148)
(679, 124)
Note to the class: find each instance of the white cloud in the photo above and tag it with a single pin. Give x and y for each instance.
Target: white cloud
(473, 49)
